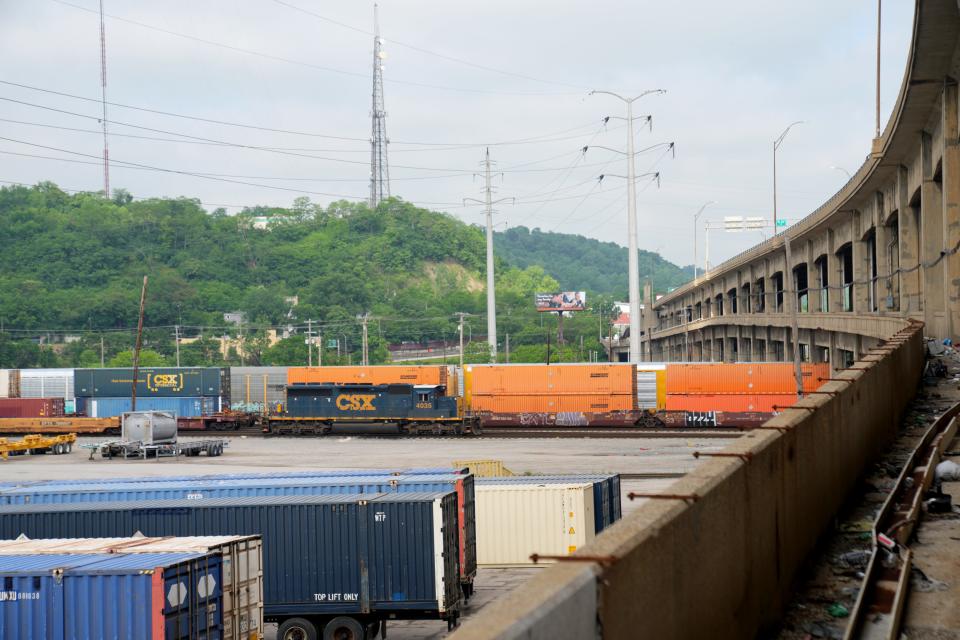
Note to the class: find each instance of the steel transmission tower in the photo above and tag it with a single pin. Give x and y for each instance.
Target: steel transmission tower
(488, 203)
(379, 167)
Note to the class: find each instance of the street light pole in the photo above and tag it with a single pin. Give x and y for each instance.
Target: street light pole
(633, 258)
(776, 145)
(695, 218)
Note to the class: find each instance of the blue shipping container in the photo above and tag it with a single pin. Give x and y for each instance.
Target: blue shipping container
(182, 407)
(370, 555)
(175, 596)
(254, 475)
(207, 489)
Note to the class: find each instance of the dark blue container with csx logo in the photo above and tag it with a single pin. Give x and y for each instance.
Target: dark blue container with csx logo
(369, 402)
(152, 382)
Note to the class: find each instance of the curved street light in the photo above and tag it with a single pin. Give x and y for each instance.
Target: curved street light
(776, 145)
(695, 218)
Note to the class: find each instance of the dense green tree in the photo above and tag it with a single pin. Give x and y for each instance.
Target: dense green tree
(78, 261)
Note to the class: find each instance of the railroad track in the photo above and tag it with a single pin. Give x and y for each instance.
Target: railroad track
(606, 432)
(504, 433)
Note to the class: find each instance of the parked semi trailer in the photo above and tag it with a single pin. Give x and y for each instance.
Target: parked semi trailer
(341, 564)
(223, 486)
(241, 578)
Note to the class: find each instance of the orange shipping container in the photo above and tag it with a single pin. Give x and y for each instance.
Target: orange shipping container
(706, 402)
(427, 374)
(537, 403)
(738, 378)
(523, 379)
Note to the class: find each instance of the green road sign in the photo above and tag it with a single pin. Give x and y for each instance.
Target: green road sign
(781, 222)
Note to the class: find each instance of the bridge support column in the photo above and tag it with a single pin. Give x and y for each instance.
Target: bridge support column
(862, 262)
(932, 243)
(951, 205)
(909, 246)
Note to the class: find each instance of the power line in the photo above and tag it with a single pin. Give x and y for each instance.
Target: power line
(433, 53)
(301, 63)
(548, 137)
(238, 145)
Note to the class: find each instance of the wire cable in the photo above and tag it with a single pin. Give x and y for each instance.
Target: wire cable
(301, 63)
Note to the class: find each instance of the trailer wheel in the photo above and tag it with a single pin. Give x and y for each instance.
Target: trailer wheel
(69, 447)
(297, 629)
(373, 629)
(343, 628)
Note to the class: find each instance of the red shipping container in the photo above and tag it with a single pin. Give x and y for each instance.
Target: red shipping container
(31, 407)
(742, 402)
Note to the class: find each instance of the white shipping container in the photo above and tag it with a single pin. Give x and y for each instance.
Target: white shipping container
(46, 383)
(242, 568)
(5, 383)
(516, 521)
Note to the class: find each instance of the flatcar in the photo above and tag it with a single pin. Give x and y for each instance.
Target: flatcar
(316, 408)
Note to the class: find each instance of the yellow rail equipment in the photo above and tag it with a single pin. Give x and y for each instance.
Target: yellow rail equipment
(36, 443)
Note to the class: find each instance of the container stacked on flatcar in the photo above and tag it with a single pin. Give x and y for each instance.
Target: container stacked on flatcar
(740, 387)
(31, 407)
(420, 375)
(561, 394)
(184, 391)
(257, 389)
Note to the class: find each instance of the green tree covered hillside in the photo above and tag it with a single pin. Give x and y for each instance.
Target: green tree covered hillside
(72, 265)
(580, 263)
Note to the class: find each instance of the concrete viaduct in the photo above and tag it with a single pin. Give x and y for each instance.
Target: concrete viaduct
(881, 251)
(870, 272)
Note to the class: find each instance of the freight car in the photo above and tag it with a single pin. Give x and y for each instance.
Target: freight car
(315, 408)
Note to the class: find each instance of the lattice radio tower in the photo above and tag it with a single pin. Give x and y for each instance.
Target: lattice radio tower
(379, 167)
(103, 100)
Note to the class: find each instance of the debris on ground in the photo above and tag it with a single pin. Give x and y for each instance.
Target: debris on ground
(919, 581)
(947, 471)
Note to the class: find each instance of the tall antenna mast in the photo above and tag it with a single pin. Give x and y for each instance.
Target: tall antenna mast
(103, 100)
(379, 168)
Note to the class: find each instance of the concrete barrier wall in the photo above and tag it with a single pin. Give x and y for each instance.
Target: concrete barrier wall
(722, 566)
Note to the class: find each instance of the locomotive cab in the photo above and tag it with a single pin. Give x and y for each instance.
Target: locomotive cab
(430, 402)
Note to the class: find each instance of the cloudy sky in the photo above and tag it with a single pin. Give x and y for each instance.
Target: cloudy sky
(512, 75)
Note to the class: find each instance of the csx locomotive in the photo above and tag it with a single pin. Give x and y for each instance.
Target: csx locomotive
(414, 408)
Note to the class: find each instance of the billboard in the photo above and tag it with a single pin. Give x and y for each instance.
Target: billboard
(562, 301)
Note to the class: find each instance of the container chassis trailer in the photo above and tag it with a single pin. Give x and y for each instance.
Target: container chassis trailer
(137, 449)
(37, 444)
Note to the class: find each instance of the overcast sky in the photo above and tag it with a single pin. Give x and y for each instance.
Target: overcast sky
(735, 73)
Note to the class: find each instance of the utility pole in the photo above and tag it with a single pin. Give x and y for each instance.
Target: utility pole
(319, 349)
(366, 355)
(103, 102)
(634, 262)
(460, 330)
(379, 167)
(488, 202)
(309, 345)
(176, 337)
(136, 349)
(101, 352)
(507, 348)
